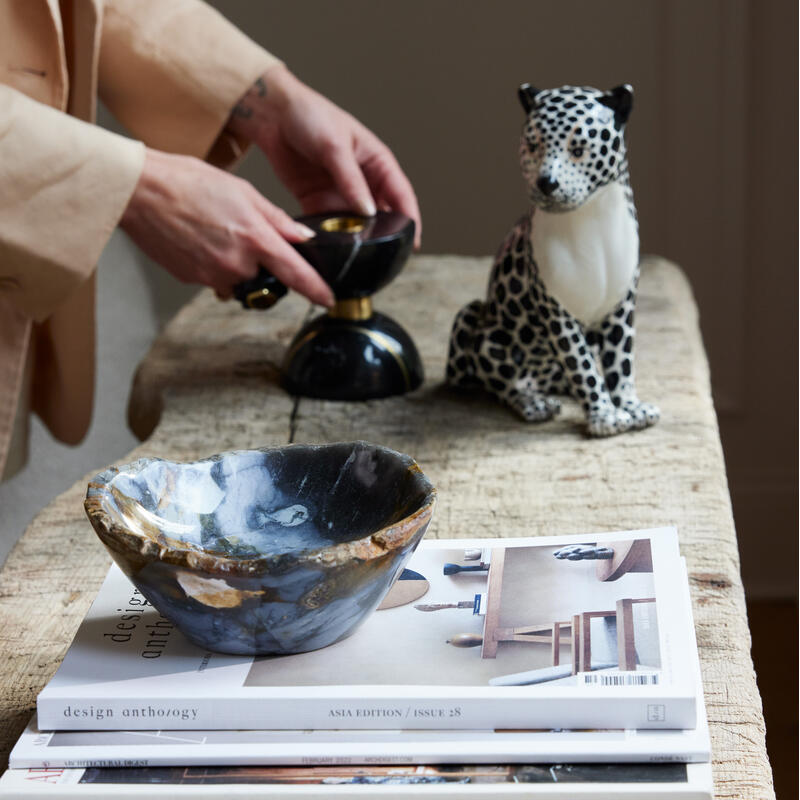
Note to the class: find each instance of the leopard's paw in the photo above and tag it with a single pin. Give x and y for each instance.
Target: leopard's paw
(534, 406)
(608, 422)
(643, 414)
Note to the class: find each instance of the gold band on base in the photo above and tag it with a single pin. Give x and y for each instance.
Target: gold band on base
(354, 308)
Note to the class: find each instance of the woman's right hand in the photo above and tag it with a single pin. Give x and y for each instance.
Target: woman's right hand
(207, 226)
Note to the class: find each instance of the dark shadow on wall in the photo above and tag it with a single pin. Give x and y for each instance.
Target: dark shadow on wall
(773, 623)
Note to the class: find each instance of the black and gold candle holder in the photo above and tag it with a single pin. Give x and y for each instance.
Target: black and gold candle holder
(351, 352)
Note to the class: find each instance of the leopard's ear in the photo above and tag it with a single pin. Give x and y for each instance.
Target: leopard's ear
(527, 96)
(620, 101)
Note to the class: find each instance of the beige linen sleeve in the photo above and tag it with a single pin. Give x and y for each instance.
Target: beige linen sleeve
(172, 71)
(63, 187)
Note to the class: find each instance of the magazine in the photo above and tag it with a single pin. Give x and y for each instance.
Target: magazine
(446, 782)
(51, 749)
(550, 632)
(342, 747)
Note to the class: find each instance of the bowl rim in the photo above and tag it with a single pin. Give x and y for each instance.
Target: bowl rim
(335, 239)
(145, 547)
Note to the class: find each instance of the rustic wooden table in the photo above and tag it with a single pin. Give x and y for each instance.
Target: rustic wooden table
(210, 383)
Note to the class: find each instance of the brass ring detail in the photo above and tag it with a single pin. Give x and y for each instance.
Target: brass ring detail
(354, 308)
(347, 224)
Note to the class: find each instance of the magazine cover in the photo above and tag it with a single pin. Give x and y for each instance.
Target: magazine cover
(445, 782)
(547, 632)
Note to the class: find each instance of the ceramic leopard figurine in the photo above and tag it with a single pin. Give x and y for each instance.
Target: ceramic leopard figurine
(558, 316)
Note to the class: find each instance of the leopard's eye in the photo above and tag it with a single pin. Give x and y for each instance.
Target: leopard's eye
(576, 152)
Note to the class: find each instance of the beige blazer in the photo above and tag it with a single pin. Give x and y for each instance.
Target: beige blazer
(170, 71)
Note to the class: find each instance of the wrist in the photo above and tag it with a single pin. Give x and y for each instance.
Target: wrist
(281, 86)
(146, 188)
(264, 101)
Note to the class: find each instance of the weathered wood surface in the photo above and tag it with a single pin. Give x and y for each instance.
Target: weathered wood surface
(210, 384)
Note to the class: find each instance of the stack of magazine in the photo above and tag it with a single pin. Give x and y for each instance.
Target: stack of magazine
(552, 667)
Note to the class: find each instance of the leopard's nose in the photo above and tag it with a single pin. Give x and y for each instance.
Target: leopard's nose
(546, 185)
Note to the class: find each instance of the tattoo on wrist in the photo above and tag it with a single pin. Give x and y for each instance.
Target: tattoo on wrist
(242, 110)
(247, 108)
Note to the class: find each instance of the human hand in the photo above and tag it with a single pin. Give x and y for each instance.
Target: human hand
(323, 155)
(206, 226)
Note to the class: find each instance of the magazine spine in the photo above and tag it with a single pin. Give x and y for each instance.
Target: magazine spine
(418, 758)
(72, 784)
(655, 712)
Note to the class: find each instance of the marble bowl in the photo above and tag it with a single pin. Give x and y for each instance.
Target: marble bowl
(268, 551)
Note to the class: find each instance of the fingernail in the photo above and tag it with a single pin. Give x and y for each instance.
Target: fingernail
(305, 231)
(368, 208)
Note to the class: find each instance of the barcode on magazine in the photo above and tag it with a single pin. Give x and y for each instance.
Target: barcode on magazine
(631, 679)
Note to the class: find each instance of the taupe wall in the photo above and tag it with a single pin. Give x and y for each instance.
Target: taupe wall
(713, 147)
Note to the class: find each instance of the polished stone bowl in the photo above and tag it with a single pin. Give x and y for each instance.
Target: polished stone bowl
(269, 551)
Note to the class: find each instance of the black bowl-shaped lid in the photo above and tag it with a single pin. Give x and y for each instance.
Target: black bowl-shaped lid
(357, 255)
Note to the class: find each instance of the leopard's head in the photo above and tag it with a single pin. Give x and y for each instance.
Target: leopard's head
(572, 142)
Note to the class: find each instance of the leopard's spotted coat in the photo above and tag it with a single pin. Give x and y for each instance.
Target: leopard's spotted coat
(558, 316)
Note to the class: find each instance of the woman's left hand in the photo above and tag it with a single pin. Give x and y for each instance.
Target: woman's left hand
(322, 154)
